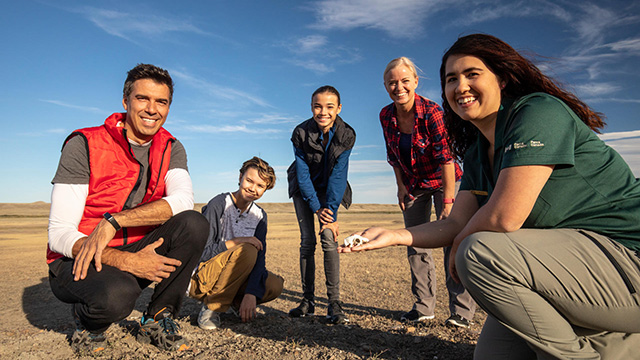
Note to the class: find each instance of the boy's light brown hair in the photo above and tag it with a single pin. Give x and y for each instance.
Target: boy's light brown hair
(265, 171)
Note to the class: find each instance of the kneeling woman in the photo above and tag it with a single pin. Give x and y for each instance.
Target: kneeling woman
(546, 225)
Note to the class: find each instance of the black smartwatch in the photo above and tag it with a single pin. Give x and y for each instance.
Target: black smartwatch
(113, 221)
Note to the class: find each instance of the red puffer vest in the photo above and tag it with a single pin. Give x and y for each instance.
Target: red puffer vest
(115, 175)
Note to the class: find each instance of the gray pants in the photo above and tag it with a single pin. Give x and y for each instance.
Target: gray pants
(423, 271)
(306, 222)
(553, 294)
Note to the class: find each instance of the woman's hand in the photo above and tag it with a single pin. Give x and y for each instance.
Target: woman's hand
(452, 260)
(446, 210)
(402, 195)
(378, 238)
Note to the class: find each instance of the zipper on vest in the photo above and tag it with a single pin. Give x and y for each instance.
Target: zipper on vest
(613, 261)
(166, 147)
(135, 187)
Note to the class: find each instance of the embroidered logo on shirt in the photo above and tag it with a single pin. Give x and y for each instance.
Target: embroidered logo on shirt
(519, 145)
(536, 143)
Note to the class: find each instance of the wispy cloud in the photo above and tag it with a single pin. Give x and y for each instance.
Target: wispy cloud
(369, 166)
(220, 92)
(375, 14)
(131, 27)
(307, 51)
(486, 11)
(612, 136)
(212, 129)
(596, 89)
(72, 106)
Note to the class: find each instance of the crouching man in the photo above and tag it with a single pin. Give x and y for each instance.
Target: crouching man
(122, 218)
(232, 269)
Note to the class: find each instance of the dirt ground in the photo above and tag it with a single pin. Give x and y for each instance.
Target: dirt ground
(375, 287)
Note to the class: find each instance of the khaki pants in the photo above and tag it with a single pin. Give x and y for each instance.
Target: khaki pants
(221, 280)
(553, 294)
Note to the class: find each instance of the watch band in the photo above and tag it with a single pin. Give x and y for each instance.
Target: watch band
(449, 201)
(113, 221)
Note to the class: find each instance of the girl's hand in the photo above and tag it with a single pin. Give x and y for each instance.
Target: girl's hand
(325, 216)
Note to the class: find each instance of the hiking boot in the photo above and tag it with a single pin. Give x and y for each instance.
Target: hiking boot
(306, 308)
(208, 319)
(85, 341)
(415, 316)
(162, 331)
(457, 320)
(335, 314)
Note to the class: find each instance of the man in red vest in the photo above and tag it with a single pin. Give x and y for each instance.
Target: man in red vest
(122, 218)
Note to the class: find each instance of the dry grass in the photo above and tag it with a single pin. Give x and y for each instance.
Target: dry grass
(375, 287)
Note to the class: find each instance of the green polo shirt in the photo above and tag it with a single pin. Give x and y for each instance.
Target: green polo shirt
(591, 186)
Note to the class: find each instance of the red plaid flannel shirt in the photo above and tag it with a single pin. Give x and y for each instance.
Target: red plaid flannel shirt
(429, 149)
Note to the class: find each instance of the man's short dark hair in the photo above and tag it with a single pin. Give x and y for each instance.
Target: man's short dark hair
(265, 171)
(147, 71)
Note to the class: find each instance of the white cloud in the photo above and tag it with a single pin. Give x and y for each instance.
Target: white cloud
(375, 14)
(316, 52)
(211, 129)
(222, 92)
(313, 65)
(369, 166)
(631, 45)
(485, 11)
(72, 106)
(310, 43)
(620, 135)
(131, 26)
(596, 89)
(626, 144)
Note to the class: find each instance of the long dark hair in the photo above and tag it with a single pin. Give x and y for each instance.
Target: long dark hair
(521, 76)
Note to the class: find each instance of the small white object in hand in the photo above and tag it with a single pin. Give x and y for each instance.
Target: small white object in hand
(355, 240)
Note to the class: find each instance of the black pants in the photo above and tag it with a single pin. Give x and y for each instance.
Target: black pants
(108, 296)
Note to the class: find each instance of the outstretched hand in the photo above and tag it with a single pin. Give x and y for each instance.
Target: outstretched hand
(378, 238)
(147, 264)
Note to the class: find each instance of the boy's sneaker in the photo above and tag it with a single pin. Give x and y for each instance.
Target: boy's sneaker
(457, 320)
(306, 308)
(335, 314)
(415, 316)
(208, 319)
(162, 331)
(84, 341)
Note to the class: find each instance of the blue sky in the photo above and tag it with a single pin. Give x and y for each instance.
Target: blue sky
(245, 71)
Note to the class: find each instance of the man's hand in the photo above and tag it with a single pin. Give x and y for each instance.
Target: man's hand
(378, 238)
(246, 239)
(248, 307)
(325, 216)
(147, 264)
(91, 248)
(335, 229)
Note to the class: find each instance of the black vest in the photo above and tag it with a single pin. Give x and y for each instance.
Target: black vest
(306, 137)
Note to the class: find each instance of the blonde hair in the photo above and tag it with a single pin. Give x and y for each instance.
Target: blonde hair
(265, 171)
(403, 60)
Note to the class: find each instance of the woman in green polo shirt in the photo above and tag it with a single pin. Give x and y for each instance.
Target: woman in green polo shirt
(546, 225)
